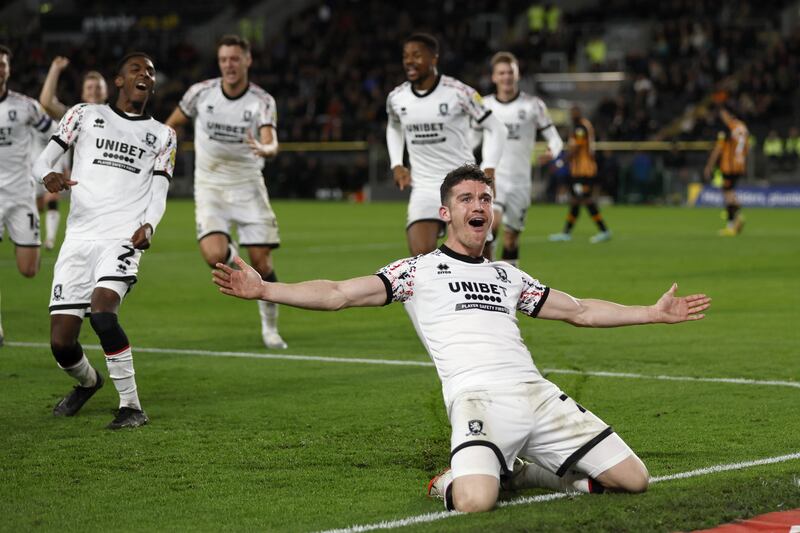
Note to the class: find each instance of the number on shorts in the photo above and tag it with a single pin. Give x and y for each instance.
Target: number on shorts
(34, 223)
(124, 257)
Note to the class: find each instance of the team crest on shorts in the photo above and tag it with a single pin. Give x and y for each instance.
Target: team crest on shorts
(475, 427)
(58, 293)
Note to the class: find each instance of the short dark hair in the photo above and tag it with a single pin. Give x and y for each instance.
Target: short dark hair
(463, 173)
(128, 57)
(430, 42)
(234, 40)
(5, 50)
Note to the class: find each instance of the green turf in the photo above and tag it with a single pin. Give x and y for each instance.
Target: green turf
(271, 445)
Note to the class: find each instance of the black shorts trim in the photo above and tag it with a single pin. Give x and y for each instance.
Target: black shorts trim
(26, 245)
(271, 245)
(162, 173)
(388, 287)
(69, 306)
(204, 235)
(484, 117)
(130, 279)
(273, 126)
(583, 450)
(541, 302)
(505, 472)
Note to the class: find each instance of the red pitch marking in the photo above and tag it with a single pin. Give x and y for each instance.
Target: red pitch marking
(780, 522)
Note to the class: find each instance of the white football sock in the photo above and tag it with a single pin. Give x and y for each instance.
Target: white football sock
(83, 372)
(233, 253)
(52, 218)
(269, 315)
(531, 475)
(120, 369)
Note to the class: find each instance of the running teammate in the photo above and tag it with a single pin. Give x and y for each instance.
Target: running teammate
(583, 179)
(93, 91)
(123, 161)
(464, 310)
(524, 116)
(429, 114)
(22, 120)
(235, 129)
(731, 153)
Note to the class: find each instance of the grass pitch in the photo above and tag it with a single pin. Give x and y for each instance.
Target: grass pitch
(240, 443)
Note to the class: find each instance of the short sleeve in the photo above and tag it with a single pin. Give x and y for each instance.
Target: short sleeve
(542, 115)
(188, 104)
(398, 278)
(472, 103)
(267, 112)
(165, 159)
(40, 120)
(532, 296)
(70, 126)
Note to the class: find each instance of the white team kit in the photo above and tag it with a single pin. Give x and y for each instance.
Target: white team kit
(524, 116)
(228, 181)
(117, 158)
(435, 125)
(22, 120)
(464, 311)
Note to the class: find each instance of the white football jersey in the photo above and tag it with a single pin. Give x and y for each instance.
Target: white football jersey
(464, 311)
(116, 158)
(436, 127)
(221, 125)
(524, 116)
(22, 120)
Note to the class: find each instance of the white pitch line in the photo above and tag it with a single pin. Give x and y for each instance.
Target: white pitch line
(400, 362)
(433, 517)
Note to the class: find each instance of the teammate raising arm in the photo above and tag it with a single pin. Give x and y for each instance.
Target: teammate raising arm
(466, 320)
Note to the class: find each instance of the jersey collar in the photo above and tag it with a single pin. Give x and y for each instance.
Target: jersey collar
(461, 257)
(504, 102)
(429, 91)
(5, 95)
(124, 115)
(237, 96)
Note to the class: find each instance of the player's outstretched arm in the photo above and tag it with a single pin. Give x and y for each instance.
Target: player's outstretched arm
(322, 295)
(669, 309)
(177, 119)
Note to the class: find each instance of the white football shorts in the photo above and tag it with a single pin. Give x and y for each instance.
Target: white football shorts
(513, 197)
(245, 206)
(84, 265)
(21, 218)
(423, 205)
(532, 420)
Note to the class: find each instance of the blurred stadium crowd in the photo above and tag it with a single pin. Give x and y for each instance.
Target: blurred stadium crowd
(331, 63)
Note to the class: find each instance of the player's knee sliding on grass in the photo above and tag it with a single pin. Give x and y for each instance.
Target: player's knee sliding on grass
(498, 403)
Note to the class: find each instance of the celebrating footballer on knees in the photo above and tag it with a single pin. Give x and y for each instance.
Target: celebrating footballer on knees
(530, 434)
(123, 161)
(235, 130)
(429, 115)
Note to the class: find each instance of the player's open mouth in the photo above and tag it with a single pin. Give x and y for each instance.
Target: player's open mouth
(142, 86)
(410, 71)
(477, 222)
